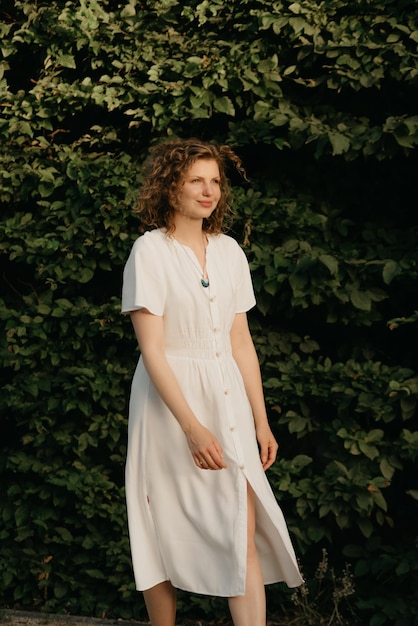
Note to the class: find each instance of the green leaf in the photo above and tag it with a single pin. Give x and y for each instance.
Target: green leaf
(366, 527)
(298, 424)
(60, 590)
(298, 283)
(128, 11)
(330, 262)
(378, 620)
(361, 300)
(66, 60)
(340, 143)
(403, 568)
(380, 500)
(64, 534)
(387, 469)
(95, 573)
(391, 269)
(85, 275)
(224, 105)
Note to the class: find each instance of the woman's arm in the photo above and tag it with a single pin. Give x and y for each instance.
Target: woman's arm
(149, 331)
(245, 355)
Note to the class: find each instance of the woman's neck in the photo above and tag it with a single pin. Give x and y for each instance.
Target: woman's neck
(189, 232)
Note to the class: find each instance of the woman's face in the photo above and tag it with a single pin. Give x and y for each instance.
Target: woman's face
(200, 190)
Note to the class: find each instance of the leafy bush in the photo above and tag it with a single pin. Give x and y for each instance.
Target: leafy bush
(319, 100)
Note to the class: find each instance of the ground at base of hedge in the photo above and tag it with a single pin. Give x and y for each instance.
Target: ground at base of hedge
(33, 618)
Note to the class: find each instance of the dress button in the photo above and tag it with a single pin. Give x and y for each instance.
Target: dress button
(212, 299)
(218, 354)
(232, 428)
(242, 467)
(226, 392)
(216, 330)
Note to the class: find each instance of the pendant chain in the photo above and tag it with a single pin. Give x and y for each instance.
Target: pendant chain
(204, 280)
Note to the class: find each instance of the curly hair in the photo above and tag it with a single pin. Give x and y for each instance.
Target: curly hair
(168, 165)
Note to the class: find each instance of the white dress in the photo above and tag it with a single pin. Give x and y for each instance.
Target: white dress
(188, 525)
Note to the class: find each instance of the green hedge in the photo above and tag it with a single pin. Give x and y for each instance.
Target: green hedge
(319, 99)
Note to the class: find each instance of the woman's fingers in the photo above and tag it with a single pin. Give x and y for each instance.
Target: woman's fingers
(210, 460)
(268, 447)
(205, 448)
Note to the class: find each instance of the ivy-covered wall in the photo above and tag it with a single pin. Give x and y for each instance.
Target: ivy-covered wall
(320, 100)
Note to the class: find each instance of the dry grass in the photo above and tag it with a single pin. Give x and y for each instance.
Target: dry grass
(323, 601)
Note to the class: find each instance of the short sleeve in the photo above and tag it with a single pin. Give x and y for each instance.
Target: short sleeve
(144, 283)
(245, 299)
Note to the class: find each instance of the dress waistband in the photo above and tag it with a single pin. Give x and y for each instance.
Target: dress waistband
(199, 350)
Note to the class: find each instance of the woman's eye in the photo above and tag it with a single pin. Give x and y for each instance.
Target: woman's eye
(199, 180)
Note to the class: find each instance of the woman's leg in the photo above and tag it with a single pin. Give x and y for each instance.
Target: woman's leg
(161, 604)
(250, 610)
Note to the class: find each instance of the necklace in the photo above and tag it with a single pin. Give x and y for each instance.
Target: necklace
(204, 279)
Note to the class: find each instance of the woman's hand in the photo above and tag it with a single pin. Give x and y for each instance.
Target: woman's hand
(246, 357)
(205, 448)
(268, 446)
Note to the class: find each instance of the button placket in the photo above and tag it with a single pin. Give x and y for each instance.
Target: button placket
(219, 354)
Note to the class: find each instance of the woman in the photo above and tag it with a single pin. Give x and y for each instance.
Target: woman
(202, 516)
